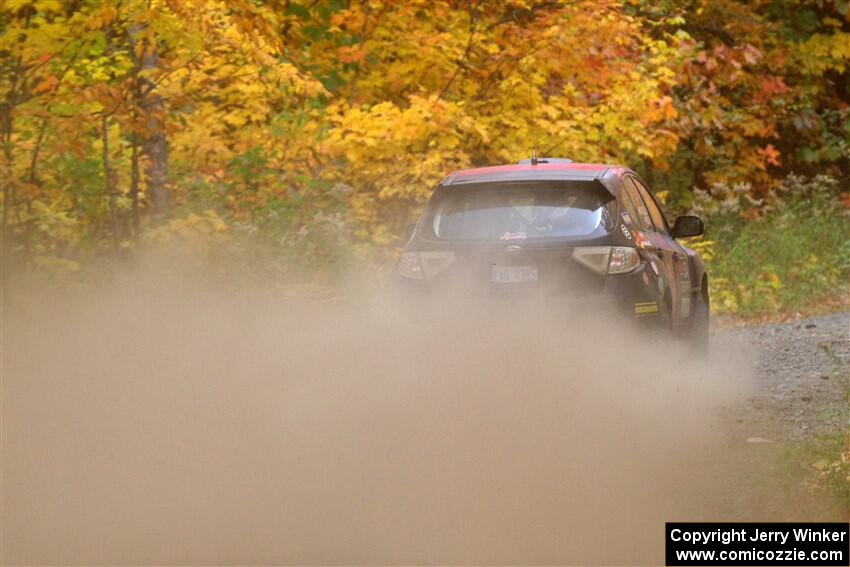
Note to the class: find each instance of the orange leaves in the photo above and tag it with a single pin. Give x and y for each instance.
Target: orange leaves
(103, 17)
(666, 108)
(46, 84)
(351, 54)
(770, 154)
(772, 85)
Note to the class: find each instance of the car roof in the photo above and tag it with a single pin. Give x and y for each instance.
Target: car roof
(557, 171)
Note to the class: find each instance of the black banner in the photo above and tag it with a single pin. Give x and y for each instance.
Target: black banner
(752, 543)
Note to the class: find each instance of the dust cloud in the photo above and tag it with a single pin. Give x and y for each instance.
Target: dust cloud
(165, 421)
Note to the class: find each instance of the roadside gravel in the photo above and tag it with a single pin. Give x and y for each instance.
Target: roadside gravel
(801, 376)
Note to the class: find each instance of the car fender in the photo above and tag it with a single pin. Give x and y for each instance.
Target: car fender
(697, 269)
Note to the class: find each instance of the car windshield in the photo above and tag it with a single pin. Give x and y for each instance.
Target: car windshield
(520, 211)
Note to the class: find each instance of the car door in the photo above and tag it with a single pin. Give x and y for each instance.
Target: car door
(658, 248)
(673, 254)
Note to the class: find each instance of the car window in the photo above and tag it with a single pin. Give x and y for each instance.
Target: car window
(657, 216)
(635, 206)
(519, 211)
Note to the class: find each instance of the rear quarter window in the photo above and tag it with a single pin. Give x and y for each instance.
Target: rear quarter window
(657, 215)
(635, 206)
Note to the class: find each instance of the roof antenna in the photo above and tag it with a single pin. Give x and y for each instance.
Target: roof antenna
(533, 130)
(531, 111)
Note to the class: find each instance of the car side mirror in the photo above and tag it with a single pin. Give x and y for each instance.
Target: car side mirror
(687, 225)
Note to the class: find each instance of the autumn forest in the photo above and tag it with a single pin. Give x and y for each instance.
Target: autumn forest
(312, 131)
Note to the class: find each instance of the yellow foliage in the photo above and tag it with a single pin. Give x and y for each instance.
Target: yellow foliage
(268, 105)
(192, 237)
(704, 247)
(821, 53)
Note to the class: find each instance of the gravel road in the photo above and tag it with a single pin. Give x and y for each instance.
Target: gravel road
(801, 376)
(206, 429)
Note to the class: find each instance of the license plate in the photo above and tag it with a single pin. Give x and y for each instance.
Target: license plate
(514, 274)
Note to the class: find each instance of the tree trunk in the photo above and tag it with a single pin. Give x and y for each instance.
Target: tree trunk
(154, 142)
(6, 173)
(109, 187)
(134, 189)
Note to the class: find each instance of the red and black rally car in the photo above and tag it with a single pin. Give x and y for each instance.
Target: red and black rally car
(552, 227)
